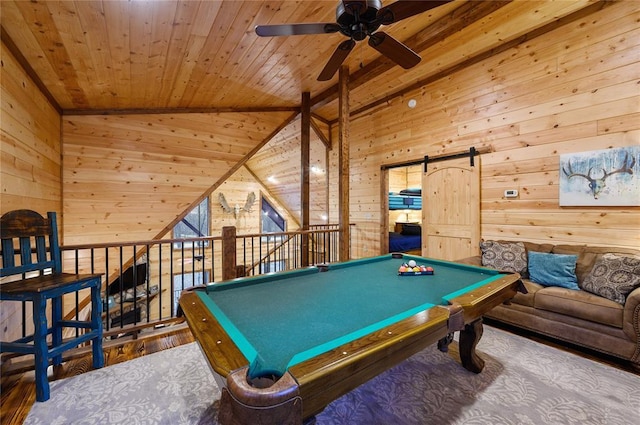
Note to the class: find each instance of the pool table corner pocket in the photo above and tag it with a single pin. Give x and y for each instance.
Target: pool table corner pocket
(243, 403)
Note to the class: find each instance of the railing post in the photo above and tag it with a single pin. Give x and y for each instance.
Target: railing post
(228, 252)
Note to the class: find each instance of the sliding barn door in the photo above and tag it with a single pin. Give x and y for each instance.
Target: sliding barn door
(451, 209)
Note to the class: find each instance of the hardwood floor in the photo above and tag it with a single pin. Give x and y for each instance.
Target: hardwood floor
(18, 391)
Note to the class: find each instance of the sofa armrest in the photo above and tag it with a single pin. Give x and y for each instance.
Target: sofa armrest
(476, 260)
(631, 316)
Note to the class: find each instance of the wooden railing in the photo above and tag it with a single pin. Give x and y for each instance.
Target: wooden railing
(163, 268)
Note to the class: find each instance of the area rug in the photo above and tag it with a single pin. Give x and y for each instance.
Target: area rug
(523, 382)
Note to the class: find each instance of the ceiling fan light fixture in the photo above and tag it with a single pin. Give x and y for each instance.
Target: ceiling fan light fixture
(357, 20)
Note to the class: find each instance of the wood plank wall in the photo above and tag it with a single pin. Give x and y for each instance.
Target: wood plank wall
(129, 177)
(278, 167)
(574, 89)
(30, 173)
(235, 189)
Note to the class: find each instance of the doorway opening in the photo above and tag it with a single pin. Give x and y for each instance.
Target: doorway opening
(403, 210)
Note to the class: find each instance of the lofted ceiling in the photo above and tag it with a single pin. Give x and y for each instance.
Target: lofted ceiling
(166, 55)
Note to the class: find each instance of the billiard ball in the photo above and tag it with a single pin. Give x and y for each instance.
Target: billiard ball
(412, 263)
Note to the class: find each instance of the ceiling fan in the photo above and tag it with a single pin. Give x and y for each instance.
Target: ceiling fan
(358, 19)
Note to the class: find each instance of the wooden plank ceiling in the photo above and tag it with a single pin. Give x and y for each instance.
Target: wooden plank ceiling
(162, 57)
(202, 55)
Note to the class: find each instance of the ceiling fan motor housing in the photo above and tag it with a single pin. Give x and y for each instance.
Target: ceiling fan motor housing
(356, 23)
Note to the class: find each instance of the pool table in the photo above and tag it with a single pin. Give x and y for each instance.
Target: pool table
(284, 345)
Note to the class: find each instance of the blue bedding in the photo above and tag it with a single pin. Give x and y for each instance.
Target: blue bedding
(404, 202)
(400, 243)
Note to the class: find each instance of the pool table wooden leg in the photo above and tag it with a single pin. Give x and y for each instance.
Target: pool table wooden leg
(469, 337)
(443, 343)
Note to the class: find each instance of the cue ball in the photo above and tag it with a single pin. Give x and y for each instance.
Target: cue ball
(412, 263)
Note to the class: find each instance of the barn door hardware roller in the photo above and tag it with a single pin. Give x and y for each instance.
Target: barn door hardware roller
(471, 154)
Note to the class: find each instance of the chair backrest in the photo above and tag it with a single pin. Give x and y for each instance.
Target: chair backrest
(29, 243)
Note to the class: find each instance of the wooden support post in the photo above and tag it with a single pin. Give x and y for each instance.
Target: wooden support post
(305, 159)
(384, 211)
(228, 252)
(343, 162)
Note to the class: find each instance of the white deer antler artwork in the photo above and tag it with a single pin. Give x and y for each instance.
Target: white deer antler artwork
(236, 210)
(606, 177)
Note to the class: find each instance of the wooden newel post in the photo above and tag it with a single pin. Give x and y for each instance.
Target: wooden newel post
(228, 252)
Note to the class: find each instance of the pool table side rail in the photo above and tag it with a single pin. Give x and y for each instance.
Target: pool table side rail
(332, 374)
(434, 262)
(482, 299)
(223, 354)
(262, 278)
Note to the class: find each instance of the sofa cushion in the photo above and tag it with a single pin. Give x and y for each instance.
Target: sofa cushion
(588, 255)
(613, 277)
(583, 265)
(538, 247)
(504, 256)
(580, 304)
(553, 269)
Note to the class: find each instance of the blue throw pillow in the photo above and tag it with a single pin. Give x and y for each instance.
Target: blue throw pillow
(553, 269)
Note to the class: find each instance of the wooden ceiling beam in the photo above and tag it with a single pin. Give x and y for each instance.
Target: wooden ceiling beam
(138, 111)
(323, 138)
(13, 49)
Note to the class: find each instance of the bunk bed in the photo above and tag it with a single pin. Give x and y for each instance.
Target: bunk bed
(408, 199)
(407, 236)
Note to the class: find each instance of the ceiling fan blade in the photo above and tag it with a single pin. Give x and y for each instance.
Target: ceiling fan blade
(336, 60)
(394, 50)
(296, 29)
(402, 9)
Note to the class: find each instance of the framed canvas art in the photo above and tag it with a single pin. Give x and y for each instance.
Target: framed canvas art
(608, 177)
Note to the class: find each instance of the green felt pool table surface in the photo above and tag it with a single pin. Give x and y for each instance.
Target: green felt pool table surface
(307, 312)
(326, 332)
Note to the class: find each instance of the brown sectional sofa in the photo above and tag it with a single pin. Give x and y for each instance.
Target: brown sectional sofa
(576, 316)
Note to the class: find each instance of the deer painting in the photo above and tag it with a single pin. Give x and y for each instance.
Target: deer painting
(597, 184)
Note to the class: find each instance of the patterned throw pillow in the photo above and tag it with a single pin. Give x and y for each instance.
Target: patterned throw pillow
(613, 277)
(504, 256)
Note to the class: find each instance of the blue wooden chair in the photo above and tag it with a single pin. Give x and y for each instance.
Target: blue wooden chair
(30, 248)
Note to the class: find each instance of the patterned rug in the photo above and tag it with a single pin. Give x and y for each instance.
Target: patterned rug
(523, 383)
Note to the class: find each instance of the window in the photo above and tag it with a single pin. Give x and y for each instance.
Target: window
(272, 221)
(195, 224)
